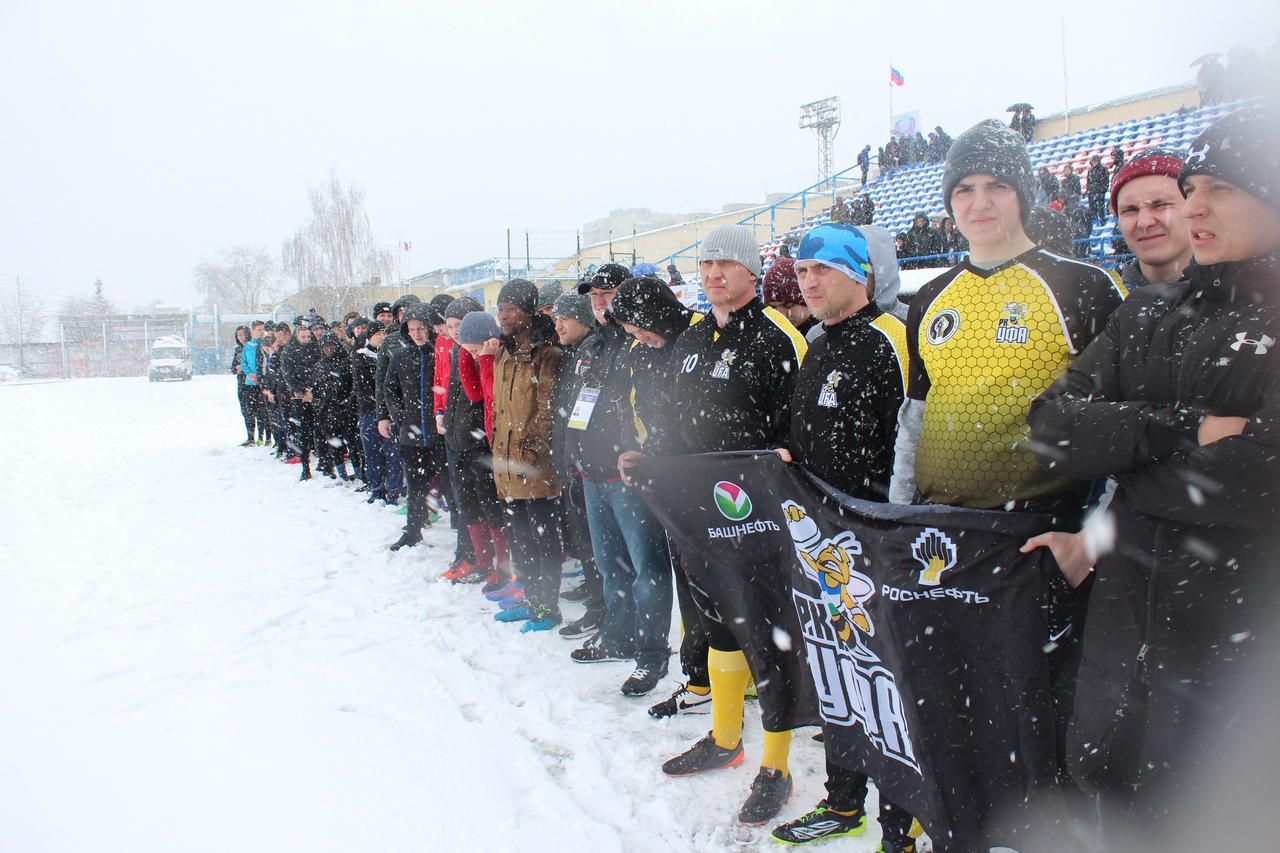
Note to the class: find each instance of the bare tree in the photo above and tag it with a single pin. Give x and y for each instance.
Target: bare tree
(22, 316)
(336, 253)
(243, 280)
(82, 318)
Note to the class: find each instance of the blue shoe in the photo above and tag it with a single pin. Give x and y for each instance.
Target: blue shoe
(505, 592)
(516, 600)
(545, 624)
(515, 614)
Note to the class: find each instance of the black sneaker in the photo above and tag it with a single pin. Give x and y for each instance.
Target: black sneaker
(704, 755)
(900, 847)
(306, 474)
(821, 823)
(641, 682)
(769, 793)
(406, 540)
(596, 654)
(578, 593)
(683, 701)
(584, 627)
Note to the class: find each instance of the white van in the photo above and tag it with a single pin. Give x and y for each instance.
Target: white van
(170, 359)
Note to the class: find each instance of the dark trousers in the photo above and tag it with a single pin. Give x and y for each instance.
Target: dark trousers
(533, 528)
(464, 549)
(419, 468)
(693, 646)
(577, 542)
(473, 483)
(302, 428)
(847, 790)
(252, 410)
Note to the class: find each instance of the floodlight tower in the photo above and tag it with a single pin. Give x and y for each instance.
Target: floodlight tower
(824, 117)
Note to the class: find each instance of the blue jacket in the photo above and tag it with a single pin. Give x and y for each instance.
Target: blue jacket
(249, 360)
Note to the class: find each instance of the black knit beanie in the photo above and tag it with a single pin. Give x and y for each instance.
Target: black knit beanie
(1242, 149)
(521, 293)
(991, 148)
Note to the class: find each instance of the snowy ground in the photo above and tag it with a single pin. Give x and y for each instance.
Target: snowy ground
(198, 652)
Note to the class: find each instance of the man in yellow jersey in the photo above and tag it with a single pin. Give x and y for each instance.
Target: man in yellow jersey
(984, 339)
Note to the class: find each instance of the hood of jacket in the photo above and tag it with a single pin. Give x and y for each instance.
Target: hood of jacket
(651, 305)
(884, 263)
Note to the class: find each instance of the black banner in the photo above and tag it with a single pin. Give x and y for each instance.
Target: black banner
(921, 635)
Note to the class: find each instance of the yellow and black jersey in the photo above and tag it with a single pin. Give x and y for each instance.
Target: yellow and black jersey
(982, 345)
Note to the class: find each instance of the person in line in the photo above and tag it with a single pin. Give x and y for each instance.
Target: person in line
(298, 364)
(844, 422)
(736, 371)
(781, 292)
(382, 472)
(576, 325)
(1148, 206)
(1176, 400)
(628, 540)
(524, 378)
(984, 339)
(407, 403)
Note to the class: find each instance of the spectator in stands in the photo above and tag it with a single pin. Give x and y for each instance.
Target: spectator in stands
(1071, 189)
(890, 157)
(1081, 229)
(900, 246)
(952, 240)
(524, 379)
(1049, 184)
(781, 292)
(1098, 182)
(1024, 123)
(921, 148)
(1176, 399)
(1211, 81)
(1055, 203)
(935, 152)
(944, 141)
(1117, 161)
(864, 162)
(920, 242)
(1244, 72)
(1148, 207)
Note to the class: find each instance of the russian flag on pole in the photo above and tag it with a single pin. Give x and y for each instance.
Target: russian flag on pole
(406, 245)
(895, 76)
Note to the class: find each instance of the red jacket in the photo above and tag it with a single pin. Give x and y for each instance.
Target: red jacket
(477, 384)
(444, 344)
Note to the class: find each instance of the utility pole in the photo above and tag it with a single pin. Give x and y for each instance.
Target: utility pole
(21, 336)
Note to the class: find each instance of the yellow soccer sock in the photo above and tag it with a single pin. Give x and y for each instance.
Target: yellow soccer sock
(777, 748)
(695, 688)
(729, 675)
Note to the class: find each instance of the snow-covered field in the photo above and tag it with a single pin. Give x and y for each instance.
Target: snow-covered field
(198, 652)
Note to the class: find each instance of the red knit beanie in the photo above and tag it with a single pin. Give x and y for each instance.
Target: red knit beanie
(1152, 161)
(780, 283)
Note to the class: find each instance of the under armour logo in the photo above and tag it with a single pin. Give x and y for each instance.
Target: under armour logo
(1260, 346)
(1197, 155)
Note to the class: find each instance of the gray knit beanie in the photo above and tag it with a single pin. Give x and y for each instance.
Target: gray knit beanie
(732, 243)
(548, 291)
(991, 148)
(477, 327)
(521, 293)
(576, 306)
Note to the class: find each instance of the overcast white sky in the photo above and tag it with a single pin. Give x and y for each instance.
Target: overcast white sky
(139, 138)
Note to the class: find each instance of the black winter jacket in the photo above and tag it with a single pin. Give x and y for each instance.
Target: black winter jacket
(463, 419)
(364, 364)
(1185, 597)
(331, 384)
(603, 364)
(392, 342)
(298, 364)
(408, 388)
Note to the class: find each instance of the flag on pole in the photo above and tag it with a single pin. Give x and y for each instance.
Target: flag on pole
(406, 245)
(895, 76)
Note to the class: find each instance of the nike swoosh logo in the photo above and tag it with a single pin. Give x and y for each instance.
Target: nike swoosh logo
(1053, 638)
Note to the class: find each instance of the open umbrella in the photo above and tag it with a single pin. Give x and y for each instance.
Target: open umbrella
(1208, 57)
(1019, 107)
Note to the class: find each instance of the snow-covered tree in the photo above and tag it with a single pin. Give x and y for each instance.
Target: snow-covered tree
(243, 279)
(22, 316)
(336, 253)
(83, 317)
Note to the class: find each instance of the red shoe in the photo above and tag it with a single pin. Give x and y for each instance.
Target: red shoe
(293, 460)
(460, 569)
